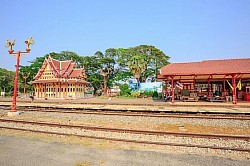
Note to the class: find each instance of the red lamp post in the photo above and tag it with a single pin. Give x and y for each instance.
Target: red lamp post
(18, 55)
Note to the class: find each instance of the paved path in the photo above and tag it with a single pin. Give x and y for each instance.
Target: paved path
(22, 151)
(135, 104)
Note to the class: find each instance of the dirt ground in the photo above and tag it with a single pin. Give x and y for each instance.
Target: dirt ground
(32, 152)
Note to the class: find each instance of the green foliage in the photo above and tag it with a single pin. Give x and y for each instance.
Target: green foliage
(155, 95)
(6, 80)
(125, 90)
(135, 94)
(159, 95)
(141, 61)
(137, 66)
(147, 93)
(122, 76)
(154, 59)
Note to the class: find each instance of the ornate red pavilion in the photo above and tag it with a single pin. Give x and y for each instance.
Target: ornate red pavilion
(59, 79)
(205, 77)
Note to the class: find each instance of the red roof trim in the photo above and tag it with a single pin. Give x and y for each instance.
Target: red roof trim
(210, 67)
(61, 69)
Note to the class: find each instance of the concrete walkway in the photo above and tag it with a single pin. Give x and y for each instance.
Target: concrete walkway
(99, 103)
(30, 152)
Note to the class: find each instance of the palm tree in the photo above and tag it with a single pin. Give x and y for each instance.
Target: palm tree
(137, 66)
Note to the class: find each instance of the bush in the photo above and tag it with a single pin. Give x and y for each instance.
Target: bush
(89, 92)
(155, 95)
(148, 93)
(135, 94)
(125, 90)
(160, 95)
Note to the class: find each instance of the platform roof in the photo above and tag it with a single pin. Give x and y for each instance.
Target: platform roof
(208, 69)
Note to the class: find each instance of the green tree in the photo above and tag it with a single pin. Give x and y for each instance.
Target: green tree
(141, 61)
(6, 80)
(154, 58)
(137, 65)
(92, 70)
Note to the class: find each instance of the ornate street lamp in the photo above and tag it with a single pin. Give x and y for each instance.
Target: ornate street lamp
(105, 71)
(18, 55)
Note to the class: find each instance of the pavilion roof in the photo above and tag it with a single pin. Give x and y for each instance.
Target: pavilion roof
(60, 81)
(62, 69)
(208, 68)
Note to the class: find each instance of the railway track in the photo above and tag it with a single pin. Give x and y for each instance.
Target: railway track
(123, 113)
(116, 130)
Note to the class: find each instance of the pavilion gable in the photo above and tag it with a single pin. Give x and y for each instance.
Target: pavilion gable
(54, 69)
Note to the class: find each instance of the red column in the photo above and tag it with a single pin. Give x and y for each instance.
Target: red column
(75, 85)
(224, 85)
(234, 90)
(38, 90)
(208, 84)
(172, 89)
(60, 92)
(57, 90)
(45, 90)
(13, 108)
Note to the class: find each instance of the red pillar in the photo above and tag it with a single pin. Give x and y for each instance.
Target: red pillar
(45, 90)
(38, 90)
(172, 89)
(13, 108)
(234, 90)
(224, 85)
(57, 90)
(208, 85)
(60, 88)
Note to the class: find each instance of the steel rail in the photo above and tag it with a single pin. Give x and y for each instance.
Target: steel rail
(133, 141)
(136, 104)
(214, 116)
(146, 114)
(177, 134)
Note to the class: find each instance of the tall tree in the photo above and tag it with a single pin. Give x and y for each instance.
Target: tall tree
(154, 57)
(6, 80)
(92, 69)
(137, 65)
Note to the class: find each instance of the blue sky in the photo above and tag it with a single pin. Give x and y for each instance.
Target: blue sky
(185, 30)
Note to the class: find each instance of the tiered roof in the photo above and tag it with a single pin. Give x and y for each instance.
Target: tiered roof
(63, 71)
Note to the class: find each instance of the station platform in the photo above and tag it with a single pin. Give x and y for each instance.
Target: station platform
(140, 104)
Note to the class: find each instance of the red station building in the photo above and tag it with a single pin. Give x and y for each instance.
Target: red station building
(230, 78)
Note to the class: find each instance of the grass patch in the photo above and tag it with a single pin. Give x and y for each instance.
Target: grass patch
(126, 97)
(82, 163)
